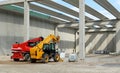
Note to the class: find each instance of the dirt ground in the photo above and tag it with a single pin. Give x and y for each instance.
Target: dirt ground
(92, 64)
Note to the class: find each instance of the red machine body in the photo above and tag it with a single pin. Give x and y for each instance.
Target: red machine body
(21, 51)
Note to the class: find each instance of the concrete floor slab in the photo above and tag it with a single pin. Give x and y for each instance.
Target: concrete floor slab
(93, 64)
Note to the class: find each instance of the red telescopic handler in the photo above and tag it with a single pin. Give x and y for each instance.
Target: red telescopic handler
(21, 51)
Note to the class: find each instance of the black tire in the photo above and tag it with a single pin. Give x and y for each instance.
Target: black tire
(33, 60)
(56, 57)
(27, 57)
(45, 58)
(16, 60)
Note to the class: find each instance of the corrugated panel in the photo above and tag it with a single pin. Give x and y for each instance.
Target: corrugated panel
(32, 13)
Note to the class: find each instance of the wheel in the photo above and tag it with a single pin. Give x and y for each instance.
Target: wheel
(45, 58)
(16, 60)
(33, 60)
(27, 57)
(56, 57)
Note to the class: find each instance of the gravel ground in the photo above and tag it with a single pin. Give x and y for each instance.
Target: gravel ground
(92, 64)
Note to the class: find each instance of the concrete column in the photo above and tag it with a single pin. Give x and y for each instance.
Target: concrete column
(56, 31)
(26, 20)
(82, 29)
(76, 43)
(56, 34)
(118, 37)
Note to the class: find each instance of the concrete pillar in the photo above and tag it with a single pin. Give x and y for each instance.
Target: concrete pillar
(56, 34)
(56, 31)
(26, 20)
(82, 29)
(118, 37)
(75, 42)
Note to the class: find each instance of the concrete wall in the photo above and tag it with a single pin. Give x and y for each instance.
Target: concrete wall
(118, 37)
(67, 42)
(100, 41)
(96, 41)
(12, 30)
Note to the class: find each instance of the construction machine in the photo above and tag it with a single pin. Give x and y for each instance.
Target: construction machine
(21, 51)
(45, 50)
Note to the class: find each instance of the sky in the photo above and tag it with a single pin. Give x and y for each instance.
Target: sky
(91, 3)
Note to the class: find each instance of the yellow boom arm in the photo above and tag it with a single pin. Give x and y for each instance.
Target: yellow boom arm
(37, 51)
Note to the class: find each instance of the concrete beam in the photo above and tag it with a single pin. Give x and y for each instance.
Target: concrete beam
(99, 30)
(6, 2)
(62, 8)
(105, 4)
(16, 9)
(26, 20)
(87, 19)
(95, 13)
(99, 23)
(67, 25)
(87, 9)
(50, 12)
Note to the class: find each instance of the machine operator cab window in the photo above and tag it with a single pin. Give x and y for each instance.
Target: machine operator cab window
(47, 48)
(32, 44)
